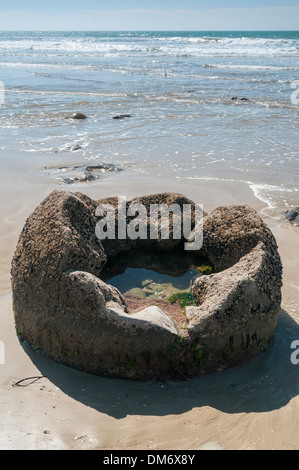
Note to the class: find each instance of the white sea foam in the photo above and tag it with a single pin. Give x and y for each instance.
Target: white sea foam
(252, 67)
(196, 46)
(271, 195)
(70, 93)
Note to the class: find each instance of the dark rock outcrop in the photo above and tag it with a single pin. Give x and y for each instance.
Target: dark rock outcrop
(122, 116)
(64, 308)
(82, 173)
(293, 216)
(77, 116)
(237, 98)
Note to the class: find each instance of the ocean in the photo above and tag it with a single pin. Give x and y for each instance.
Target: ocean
(201, 106)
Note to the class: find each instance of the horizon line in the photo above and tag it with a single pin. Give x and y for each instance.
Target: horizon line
(154, 30)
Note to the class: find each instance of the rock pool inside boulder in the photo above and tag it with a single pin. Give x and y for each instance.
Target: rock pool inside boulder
(77, 318)
(164, 279)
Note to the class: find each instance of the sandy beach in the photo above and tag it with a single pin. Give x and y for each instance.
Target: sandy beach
(250, 407)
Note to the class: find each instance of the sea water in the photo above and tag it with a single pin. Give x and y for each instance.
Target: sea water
(206, 106)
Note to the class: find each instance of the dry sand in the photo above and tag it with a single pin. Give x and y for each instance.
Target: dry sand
(250, 407)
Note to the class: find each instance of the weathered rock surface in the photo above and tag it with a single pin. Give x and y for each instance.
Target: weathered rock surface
(64, 308)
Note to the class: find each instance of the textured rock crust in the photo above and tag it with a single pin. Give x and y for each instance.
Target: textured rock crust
(63, 307)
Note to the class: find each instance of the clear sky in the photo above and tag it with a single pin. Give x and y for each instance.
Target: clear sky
(149, 15)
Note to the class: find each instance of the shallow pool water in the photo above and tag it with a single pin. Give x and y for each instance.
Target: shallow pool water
(146, 283)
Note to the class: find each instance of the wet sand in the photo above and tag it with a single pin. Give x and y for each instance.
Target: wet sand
(250, 407)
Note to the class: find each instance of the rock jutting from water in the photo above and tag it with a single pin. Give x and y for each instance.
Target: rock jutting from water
(78, 116)
(292, 216)
(122, 116)
(82, 173)
(238, 98)
(64, 307)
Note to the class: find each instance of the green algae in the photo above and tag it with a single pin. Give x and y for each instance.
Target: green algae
(205, 269)
(185, 299)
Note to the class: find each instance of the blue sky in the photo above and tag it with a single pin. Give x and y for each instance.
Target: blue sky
(149, 15)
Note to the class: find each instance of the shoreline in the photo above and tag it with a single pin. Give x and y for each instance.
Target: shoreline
(249, 407)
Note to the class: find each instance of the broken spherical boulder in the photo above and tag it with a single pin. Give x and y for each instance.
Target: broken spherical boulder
(64, 305)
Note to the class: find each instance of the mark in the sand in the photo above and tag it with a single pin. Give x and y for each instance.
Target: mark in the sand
(23, 382)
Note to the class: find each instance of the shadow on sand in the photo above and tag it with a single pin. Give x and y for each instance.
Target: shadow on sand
(267, 383)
